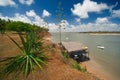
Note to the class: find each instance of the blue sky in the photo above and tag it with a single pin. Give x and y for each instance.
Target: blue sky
(81, 15)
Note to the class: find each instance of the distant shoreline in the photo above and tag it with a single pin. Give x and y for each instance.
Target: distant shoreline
(101, 33)
(104, 34)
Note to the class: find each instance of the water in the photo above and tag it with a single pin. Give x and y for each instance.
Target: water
(108, 58)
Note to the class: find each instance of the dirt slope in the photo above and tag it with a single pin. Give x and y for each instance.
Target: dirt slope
(56, 68)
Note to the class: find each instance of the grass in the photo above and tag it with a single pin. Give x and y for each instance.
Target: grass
(78, 67)
(65, 54)
(72, 62)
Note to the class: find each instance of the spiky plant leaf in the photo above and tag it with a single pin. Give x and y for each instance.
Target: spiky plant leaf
(36, 62)
(31, 55)
(22, 40)
(15, 42)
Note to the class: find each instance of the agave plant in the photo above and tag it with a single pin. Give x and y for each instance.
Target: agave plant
(31, 55)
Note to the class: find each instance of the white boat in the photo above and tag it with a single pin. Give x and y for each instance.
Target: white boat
(100, 47)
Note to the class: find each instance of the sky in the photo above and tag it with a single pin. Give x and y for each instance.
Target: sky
(80, 15)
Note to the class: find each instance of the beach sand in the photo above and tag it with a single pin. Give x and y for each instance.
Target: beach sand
(96, 69)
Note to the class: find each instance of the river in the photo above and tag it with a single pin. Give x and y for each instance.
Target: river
(106, 61)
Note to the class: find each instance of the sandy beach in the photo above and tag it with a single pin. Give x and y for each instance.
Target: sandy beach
(96, 69)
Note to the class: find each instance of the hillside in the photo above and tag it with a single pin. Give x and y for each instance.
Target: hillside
(56, 68)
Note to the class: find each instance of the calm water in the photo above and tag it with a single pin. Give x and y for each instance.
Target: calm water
(109, 58)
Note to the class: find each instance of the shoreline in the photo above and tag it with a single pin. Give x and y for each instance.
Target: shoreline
(90, 70)
(102, 34)
(98, 64)
(97, 70)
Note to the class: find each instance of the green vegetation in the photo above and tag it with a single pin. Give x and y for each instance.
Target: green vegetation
(2, 26)
(31, 48)
(78, 67)
(31, 55)
(19, 26)
(72, 62)
(24, 27)
(51, 48)
(65, 54)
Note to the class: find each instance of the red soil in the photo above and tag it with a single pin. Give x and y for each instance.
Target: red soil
(56, 68)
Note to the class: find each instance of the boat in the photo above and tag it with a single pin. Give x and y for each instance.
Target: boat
(100, 47)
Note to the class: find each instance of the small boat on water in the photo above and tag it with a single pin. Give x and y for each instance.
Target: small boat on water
(100, 47)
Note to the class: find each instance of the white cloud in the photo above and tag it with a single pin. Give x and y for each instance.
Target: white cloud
(45, 13)
(17, 17)
(111, 7)
(101, 24)
(102, 20)
(20, 17)
(31, 13)
(27, 2)
(77, 19)
(116, 13)
(30, 17)
(82, 10)
(7, 3)
(53, 27)
(36, 19)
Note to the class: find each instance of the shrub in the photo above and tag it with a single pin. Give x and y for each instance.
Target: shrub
(65, 54)
(77, 66)
(19, 26)
(31, 55)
